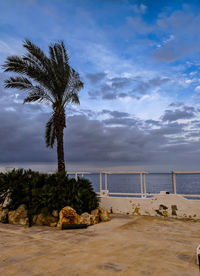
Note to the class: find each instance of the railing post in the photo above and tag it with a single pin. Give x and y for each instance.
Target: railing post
(106, 182)
(145, 187)
(174, 182)
(100, 182)
(141, 184)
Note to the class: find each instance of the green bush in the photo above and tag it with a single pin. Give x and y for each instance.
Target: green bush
(43, 193)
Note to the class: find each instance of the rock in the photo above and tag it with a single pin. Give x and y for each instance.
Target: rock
(104, 215)
(3, 215)
(53, 224)
(18, 216)
(68, 215)
(86, 218)
(55, 213)
(95, 216)
(45, 220)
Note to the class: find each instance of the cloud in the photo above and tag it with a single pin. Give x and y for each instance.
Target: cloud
(186, 112)
(117, 140)
(115, 114)
(182, 27)
(140, 9)
(95, 78)
(197, 88)
(121, 87)
(144, 87)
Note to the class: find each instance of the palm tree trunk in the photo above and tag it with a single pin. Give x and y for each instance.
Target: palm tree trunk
(60, 125)
(60, 151)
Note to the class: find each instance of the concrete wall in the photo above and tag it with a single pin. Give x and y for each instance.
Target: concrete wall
(160, 205)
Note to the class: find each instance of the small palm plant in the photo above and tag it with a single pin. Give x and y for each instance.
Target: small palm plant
(47, 79)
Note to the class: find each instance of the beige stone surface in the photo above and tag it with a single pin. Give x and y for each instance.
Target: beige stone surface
(125, 246)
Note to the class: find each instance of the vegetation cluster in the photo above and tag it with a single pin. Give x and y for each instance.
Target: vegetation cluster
(43, 193)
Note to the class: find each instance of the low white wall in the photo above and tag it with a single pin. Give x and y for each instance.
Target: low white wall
(160, 205)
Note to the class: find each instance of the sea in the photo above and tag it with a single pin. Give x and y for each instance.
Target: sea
(155, 182)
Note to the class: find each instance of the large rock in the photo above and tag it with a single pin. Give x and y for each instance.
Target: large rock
(103, 214)
(45, 220)
(3, 214)
(95, 216)
(86, 218)
(55, 213)
(69, 216)
(18, 216)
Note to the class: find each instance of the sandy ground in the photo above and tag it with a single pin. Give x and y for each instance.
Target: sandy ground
(126, 245)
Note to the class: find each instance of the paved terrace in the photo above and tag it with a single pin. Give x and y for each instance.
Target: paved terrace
(126, 245)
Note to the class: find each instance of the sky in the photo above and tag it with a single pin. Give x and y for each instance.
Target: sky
(140, 64)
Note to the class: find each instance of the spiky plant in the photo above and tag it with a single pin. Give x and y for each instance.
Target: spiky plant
(47, 79)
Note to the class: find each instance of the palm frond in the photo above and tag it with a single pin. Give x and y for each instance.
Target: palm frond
(15, 64)
(74, 86)
(21, 83)
(37, 94)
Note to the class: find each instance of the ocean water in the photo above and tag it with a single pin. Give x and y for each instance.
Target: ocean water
(155, 182)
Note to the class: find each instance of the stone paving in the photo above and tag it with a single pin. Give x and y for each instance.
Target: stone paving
(126, 245)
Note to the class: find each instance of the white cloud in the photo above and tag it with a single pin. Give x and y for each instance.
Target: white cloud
(197, 88)
(141, 9)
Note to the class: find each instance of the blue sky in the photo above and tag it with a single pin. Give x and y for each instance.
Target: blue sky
(139, 61)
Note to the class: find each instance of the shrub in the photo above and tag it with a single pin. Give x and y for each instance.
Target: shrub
(45, 193)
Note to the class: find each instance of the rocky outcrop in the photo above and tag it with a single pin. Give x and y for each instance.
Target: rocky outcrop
(86, 218)
(95, 216)
(103, 214)
(18, 216)
(55, 213)
(3, 215)
(45, 220)
(69, 216)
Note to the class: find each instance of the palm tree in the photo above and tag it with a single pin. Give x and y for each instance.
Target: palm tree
(47, 79)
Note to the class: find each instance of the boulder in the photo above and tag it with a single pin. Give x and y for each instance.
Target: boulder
(95, 216)
(45, 220)
(3, 215)
(85, 218)
(103, 214)
(55, 213)
(18, 216)
(69, 216)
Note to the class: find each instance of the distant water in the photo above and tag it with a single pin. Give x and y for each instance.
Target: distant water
(155, 182)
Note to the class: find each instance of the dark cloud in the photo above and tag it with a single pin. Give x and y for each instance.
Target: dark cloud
(181, 35)
(120, 83)
(95, 78)
(114, 88)
(187, 112)
(109, 96)
(176, 104)
(120, 121)
(144, 87)
(116, 114)
(119, 139)
(153, 122)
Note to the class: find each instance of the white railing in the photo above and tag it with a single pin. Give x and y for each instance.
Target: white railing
(142, 174)
(78, 173)
(174, 182)
(74, 173)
